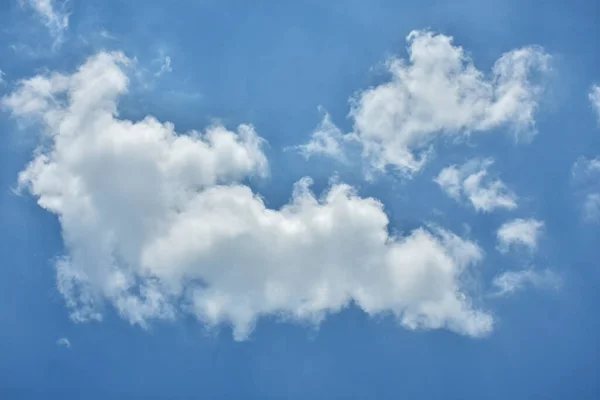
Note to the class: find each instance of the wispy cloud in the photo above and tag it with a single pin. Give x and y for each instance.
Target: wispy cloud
(64, 342)
(513, 281)
(52, 13)
(165, 66)
(326, 140)
(591, 207)
(594, 96)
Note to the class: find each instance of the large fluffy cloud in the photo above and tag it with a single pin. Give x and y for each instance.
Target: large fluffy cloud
(158, 224)
(470, 181)
(438, 91)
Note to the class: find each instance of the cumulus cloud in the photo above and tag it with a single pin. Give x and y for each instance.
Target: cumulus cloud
(512, 281)
(159, 224)
(470, 181)
(438, 92)
(594, 97)
(52, 13)
(519, 233)
(64, 342)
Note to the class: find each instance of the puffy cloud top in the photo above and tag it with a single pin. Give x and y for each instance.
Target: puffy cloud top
(437, 92)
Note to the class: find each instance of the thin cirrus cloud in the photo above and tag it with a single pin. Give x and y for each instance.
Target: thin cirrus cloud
(519, 233)
(512, 281)
(165, 66)
(438, 92)
(470, 181)
(158, 224)
(64, 342)
(52, 14)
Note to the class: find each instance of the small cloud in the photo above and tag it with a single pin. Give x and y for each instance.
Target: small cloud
(165, 67)
(107, 35)
(64, 342)
(470, 181)
(519, 232)
(512, 281)
(594, 96)
(2, 75)
(326, 140)
(591, 207)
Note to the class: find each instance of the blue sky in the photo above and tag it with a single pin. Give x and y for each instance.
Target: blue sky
(160, 238)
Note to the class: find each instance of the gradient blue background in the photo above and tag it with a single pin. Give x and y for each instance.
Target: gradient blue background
(272, 63)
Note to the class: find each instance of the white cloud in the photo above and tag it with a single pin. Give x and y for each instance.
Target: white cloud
(437, 92)
(512, 281)
(469, 181)
(326, 140)
(158, 224)
(519, 232)
(2, 75)
(64, 342)
(52, 15)
(594, 97)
